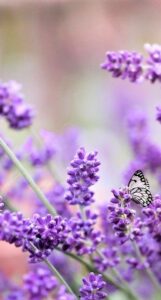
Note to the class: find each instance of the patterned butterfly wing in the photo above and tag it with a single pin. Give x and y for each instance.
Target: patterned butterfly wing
(139, 189)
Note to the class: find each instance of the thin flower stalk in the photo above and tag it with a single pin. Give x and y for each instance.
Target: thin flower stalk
(60, 277)
(28, 177)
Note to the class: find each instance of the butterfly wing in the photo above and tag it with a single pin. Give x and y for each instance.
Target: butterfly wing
(139, 189)
(142, 196)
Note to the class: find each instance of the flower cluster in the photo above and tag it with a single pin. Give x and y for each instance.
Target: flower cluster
(38, 235)
(123, 218)
(133, 66)
(46, 234)
(125, 231)
(93, 288)
(81, 176)
(153, 72)
(13, 227)
(152, 219)
(39, 283)
(83, 237)
(124, 64)
(13, 107)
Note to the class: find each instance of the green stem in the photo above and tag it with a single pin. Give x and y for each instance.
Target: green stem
(28, 177)
(106, 277)
(148, 270)
(59, 276)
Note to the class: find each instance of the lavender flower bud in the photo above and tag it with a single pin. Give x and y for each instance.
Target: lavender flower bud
(81, 176)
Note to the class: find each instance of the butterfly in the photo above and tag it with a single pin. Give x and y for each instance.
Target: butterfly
(139, 189)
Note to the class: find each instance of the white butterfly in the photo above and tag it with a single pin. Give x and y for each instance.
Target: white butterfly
(139, 189)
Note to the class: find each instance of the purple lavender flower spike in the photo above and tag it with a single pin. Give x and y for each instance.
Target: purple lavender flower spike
(39, 283)
(125, 223)
(13, 107)
(131, 65)
(82, 231)
(153, 68)
(153, 218)
(82, 174)
(93, 288)
(44, 233)
(124, 64)
(20, 115)
(8, 91)
(12, 227)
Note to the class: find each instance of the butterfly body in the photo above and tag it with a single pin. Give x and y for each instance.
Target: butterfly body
(139, 189)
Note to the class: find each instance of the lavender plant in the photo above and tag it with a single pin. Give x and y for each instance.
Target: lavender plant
(77, 250)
